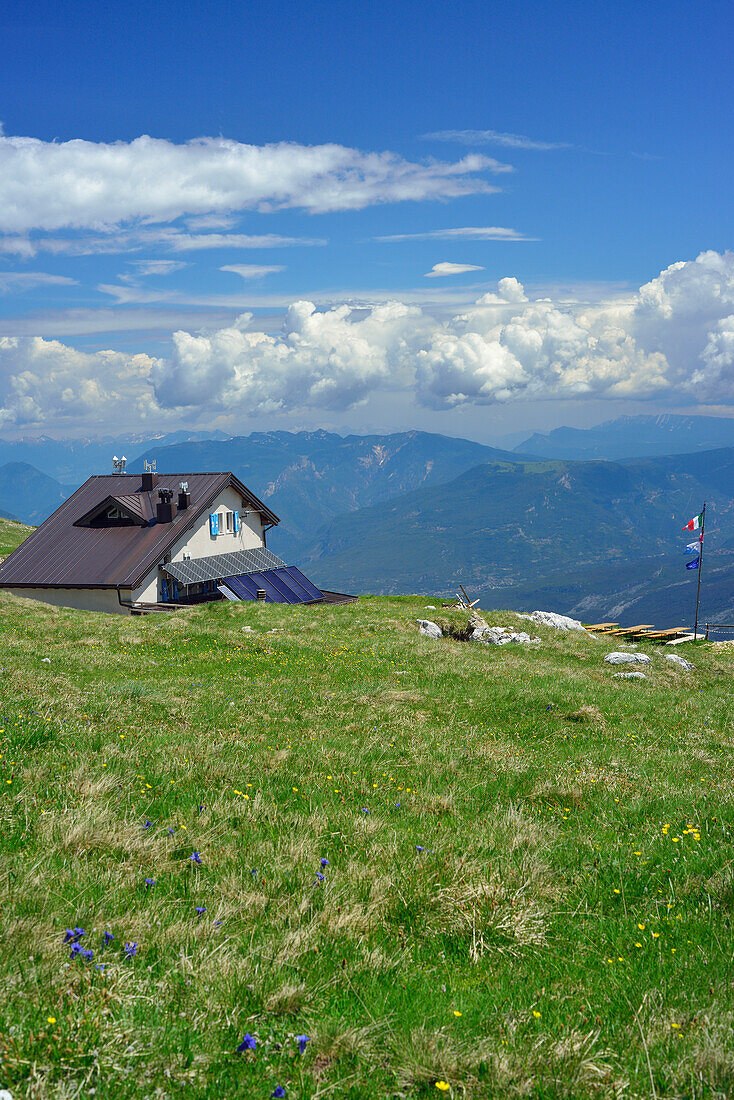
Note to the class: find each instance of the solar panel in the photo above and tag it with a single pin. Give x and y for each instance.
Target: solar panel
(217, 566)
(283, 585)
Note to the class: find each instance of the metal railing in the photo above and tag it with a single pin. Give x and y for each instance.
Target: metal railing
(718, 626)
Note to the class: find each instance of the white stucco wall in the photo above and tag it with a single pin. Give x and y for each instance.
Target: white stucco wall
(199, 543)
(83, 599)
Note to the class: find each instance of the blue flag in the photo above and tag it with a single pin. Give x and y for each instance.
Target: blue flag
(693, 564)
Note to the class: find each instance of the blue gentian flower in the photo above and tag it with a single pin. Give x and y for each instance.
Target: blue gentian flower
(131, 949)
(149, 882)
(248, 1043)
(76, 949)
(195, 857)
(365, 810)
(302, 1040)
(324, 861)
(320, 876)
(171, 830)
(277, 1092)
(419, 848)
(200, 909)
(108, 938)
(147, 824)
(88, 954)
(71, 935)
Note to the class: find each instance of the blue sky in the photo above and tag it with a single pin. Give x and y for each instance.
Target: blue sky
(578, 149)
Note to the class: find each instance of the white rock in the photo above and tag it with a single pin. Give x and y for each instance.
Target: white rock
(680, 661)
(5, 1095)
(630, 676)
(499, 635)
(44, 661)
(430, 607)
(431, 630)
(627, 659)
(558, 622)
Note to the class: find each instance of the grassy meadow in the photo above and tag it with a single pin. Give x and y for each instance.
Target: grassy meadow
(457, 870)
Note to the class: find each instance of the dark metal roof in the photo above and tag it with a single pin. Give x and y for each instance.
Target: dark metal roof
(222, 565)
(138, 506)
(60, 554)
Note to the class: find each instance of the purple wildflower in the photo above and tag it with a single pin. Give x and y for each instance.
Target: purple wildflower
(277, 1092)
(147, 824)
(149, 882)
(195, 857)
(131, 949)
(171, 830)
(397, 805)
(253, 871)
(200, 910)
(419, 848)
(320, 876)
(248, 1043)
(72, 935)
(108, 938)
(88, 954)
(365, 810)
(76, 949)
(324, 861)
(302, 1040)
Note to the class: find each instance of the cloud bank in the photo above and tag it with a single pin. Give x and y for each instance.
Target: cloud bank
(673, 338)
(89, 185)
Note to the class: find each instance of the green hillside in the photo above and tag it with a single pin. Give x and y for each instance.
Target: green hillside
(506, 524)
(12, 534)
(455, 869)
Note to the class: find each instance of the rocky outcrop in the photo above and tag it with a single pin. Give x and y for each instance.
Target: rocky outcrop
(627, 659)
(431, 630)
(558, 622)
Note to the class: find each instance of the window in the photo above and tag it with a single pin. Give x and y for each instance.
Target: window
(230, 522)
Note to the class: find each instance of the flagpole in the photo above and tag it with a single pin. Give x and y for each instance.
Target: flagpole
(700, 567)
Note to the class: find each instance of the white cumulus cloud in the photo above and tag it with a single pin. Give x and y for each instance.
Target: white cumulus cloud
(327, 360)
(46, 382)
(95, 185)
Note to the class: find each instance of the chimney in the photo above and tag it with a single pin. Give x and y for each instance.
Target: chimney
(184, 496)
(149, 477)
(164, 508)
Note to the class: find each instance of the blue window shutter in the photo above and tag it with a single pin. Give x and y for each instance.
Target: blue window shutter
(164, 591)
(214, 523)
(236, 522)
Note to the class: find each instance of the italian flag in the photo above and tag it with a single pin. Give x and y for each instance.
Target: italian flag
(693, 524)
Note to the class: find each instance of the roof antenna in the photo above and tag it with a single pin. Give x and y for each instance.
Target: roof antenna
(118, 464)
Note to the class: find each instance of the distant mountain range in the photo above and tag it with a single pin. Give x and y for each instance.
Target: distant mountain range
(28, 495)
(501, 525)
(310, 478)
(633, 437)
(73, 461)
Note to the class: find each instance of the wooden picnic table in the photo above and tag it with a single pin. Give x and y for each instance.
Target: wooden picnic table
(640, 629)
(602, 628)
